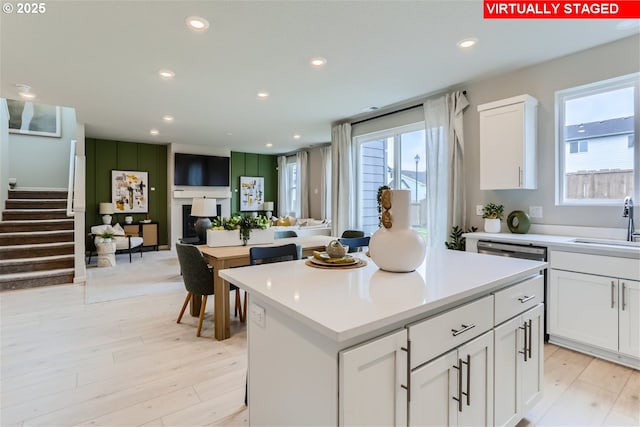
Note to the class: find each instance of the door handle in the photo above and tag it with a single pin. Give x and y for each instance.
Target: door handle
(530, 339)
(613, 289)
(464, 329)
(459, 398)
(468, 393)
(408, 386)
(526, 341)
(624, 304)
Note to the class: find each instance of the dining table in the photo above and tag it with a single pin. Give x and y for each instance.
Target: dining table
(238, 256)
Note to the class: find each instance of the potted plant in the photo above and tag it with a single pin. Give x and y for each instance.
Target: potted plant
(492, 214)
(106, 236)
(226, 231)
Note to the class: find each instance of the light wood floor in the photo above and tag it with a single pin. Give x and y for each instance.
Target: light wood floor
(127, 363)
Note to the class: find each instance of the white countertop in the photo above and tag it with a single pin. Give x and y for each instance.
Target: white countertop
(346, 303)
(570, 243)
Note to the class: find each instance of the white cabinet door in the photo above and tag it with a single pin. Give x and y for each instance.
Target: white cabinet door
(371, 380)
(455, 389)
(433, 387)
(630, 317)
(584, 308)
(507, 144)
(477, 373)
(533, 367)
(508, 339)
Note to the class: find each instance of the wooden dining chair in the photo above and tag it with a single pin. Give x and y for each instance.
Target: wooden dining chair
(355, 244)
(198, 280)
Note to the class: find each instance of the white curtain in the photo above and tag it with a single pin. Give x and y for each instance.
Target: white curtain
(283, 187)
(436, 133)
(445, 170)
(302, 165)
(325, 183)
(456, 103)
(342, 179)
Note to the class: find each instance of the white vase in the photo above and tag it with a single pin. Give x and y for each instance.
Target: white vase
(492, 225)
(400, 248)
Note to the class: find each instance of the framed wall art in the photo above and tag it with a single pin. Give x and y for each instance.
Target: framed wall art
(251, 193)
(129, 191)
(27, 118)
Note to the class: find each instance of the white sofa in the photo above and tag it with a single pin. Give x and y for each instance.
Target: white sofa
(123, 241)
(306, 227)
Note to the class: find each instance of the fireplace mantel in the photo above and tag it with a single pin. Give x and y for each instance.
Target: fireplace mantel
(191, 194)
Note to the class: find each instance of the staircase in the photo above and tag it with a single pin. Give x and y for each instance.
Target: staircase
(36, 240)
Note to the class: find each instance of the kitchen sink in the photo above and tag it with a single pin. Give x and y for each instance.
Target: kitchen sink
(609, 242)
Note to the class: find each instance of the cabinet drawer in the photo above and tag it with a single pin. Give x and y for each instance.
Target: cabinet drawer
(434, 336)
(518, 298)
(625, 268)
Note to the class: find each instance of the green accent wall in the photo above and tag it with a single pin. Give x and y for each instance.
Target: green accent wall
(251, 164)
(103, 156)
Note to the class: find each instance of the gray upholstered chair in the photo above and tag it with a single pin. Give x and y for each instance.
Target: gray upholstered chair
(198, 280)
(356, 243)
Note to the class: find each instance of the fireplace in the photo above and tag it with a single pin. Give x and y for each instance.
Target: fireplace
(188, 228)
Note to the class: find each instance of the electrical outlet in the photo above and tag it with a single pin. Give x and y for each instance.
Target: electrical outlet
(257, 315)
(535, 211)
(479, 210)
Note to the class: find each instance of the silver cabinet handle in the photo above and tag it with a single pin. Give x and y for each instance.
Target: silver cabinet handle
(464, 329)
(530, 338)
(459, 398)
(624, 303)
(408, 386)
(526, 341)
(613, 289)
(519, 176)
(526, 298)
(468, 393)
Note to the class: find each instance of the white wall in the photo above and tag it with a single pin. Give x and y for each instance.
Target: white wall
(42, 162)
(175, 202)
(542, 81)
(4, 151)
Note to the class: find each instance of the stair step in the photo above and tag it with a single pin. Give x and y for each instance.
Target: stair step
(33, 251)
(36, 204)
(34, 237)
(45, 194)
(40, 225)
(33, 214)
(27, 265)
(36, 279)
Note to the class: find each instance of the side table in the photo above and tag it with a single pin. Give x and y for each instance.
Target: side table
(106, 254)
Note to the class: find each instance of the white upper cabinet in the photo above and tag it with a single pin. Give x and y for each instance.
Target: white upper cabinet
(508, 144)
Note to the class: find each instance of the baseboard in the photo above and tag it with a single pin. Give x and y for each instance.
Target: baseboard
(597, 352)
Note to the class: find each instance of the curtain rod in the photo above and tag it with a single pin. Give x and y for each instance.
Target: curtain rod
(411, 107)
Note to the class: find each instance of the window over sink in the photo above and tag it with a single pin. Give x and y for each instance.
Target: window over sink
(596, 128)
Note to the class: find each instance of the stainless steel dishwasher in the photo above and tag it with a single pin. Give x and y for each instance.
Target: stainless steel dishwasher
(514, 250)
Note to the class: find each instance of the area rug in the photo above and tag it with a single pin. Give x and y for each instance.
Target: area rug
(154, 272)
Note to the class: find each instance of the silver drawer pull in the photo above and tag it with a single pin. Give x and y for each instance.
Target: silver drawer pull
(526, 298)
(464, 329)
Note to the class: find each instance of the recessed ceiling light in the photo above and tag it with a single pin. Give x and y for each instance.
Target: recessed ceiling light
(318, 62)
(369, 109)
(197, 23)
(297, 136)
(229, 134)
(25, 91)
(154, 132)
(168, 118)
(269, 145)
(467, 43)
(262, 95)
(166, 74)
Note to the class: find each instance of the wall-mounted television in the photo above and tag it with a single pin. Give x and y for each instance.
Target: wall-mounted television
(200, 170)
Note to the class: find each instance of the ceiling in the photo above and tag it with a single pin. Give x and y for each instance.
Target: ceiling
(103, 57)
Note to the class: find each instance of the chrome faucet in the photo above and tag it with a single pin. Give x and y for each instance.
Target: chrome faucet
(627, 212)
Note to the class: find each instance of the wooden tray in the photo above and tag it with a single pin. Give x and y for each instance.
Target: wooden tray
(360, 263)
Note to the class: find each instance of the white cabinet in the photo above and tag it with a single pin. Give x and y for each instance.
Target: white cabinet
(594, 305)
(583, 307)
(455, 389)
(508, 144)
(373, 381)
(519, 357)
(630, 317)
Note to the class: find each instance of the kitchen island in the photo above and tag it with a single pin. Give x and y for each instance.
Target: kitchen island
(341, 347)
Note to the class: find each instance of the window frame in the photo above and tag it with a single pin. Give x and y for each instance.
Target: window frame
(394, 133)
(564, 95)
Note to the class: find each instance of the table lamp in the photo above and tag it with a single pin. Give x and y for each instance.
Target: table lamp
(268, 207)
(203, 208)
(106, 209)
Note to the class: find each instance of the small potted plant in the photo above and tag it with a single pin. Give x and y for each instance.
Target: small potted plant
(492, 214)
(106, 236)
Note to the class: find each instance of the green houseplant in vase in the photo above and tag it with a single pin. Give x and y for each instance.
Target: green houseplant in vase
(492, 214)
